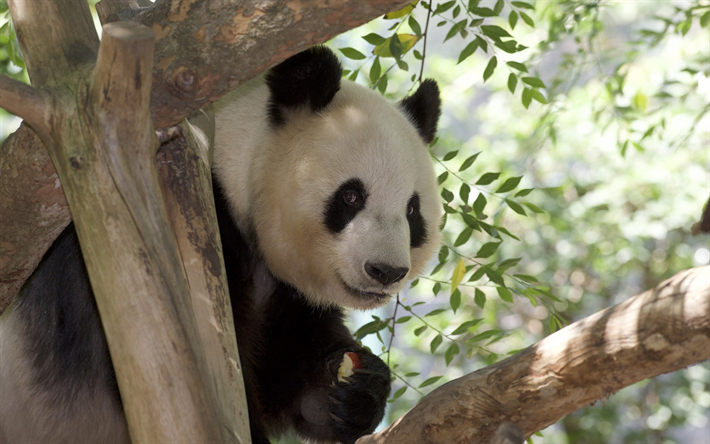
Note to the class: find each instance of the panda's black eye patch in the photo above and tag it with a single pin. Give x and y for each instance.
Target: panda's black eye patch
(417, 226)
(344, 204)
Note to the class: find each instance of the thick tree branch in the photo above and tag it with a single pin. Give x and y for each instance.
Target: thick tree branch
(202, 51)
(31, 104)
(659, 331)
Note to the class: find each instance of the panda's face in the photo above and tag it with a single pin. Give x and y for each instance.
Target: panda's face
(347, 208)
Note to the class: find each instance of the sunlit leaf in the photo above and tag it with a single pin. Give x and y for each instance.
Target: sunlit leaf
(458, 274)
(402, 12)
(404, 43)
(533, 81)
(505, 294)
(512, 82)
(523, 5)
(513, 19)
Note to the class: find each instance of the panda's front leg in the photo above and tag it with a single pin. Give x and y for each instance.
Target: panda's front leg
(299, 380)
(358, 396)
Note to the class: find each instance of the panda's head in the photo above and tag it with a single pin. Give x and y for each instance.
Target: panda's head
(346, 206)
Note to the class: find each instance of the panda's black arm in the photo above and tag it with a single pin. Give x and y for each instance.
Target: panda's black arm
(298, 380)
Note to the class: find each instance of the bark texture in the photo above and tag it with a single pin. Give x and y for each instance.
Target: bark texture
(659, 331)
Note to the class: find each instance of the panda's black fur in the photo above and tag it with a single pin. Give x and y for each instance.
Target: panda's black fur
(289, 348)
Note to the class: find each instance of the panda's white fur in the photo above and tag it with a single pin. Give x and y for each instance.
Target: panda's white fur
(278, 183)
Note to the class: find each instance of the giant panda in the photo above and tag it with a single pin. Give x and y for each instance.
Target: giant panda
(326, 198)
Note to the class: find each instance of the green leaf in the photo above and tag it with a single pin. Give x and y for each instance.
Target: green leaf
(512, 82)
(527, 278)
(414, 283)
(495, 276)
(509, 184)
(450, 353)
(455, 300)
(498, 7)
(482, 43)
(436, 288)
(513, 19)
(467, 51)
(464, 192)
(429, 381)
(478, 274)
(468, 162)
(457, 11)
(450, 155)
(526, 18)
(526, 97)
(523, 5)
(382, 84)
(517, 65)
(442, 177)
(490, 68)
(534, 208)
(419, 330)
(479, 204)
(398, 393)
(375, 70)
(463, 328)
(352, 53)
(414, 24)
(435, 343)
(455, 29)
(537, 95)
(705, 19)
(443, 253)
(487, 178)
(508, 263)
(411, 374)
(403, 319)
(479, 298)
(447, 195)
(524, 192)
(470, 221)
(515, 207)
(370, 328)
(463, 237)
(494, 31)
(488, 249)
(483, 336)
(374, 39)
(435, 312)
(459, 272)
(483, 12)
(505, 294)
(533, 81)
(443, 7)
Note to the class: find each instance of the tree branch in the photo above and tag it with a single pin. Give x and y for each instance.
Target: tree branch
(31, 104)
(202, 52)
(659, 331)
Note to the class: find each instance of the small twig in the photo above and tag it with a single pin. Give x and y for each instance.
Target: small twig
(426, 36)
(394, 322)
(31, 104)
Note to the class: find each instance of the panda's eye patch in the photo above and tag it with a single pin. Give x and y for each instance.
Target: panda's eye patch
(353, 198)
(417, 226)
(344, 204)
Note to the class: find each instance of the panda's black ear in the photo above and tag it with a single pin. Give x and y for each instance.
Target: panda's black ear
(424, 109)
(308, 79)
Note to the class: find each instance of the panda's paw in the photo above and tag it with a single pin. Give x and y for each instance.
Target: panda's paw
(358, 396)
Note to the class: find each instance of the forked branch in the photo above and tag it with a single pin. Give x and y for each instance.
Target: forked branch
(31, 104)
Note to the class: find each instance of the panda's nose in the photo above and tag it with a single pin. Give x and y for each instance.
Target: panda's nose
(386, 274)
